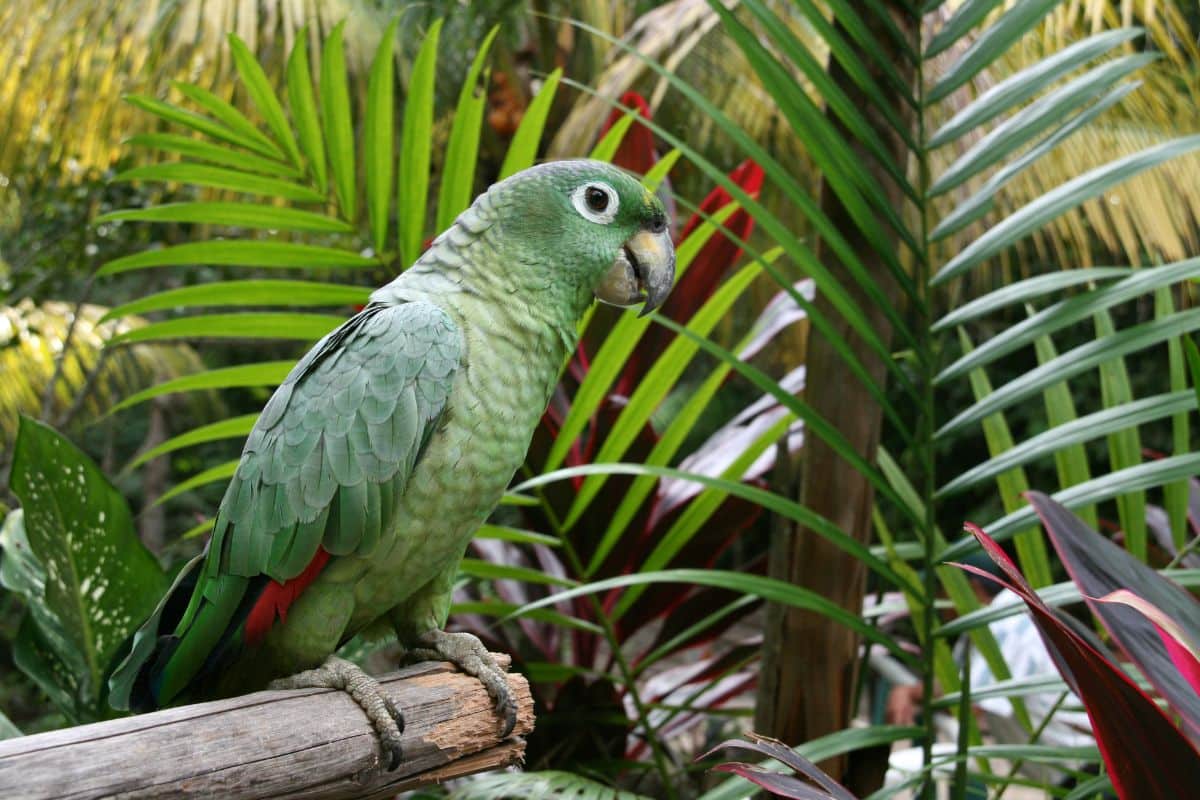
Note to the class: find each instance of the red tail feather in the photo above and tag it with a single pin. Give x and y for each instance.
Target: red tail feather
(277, 598)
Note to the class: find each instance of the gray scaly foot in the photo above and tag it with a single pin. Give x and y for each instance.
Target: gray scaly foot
(466, 652)
(338, 673)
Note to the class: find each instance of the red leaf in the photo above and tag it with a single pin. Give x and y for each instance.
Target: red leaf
(1148, 758)
(1184, 653)
(1099, 567)
(720, 252)
(636, 151)
(775, 783)
(773, 748)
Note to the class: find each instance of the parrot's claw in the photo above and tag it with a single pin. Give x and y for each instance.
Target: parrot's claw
(385, 717)
(467, 653)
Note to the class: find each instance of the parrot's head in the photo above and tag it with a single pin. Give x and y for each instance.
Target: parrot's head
(605, 231)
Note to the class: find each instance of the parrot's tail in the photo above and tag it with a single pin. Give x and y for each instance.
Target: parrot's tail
(194, 629)
(129, 685)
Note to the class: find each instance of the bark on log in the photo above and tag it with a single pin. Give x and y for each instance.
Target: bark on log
(308, 743)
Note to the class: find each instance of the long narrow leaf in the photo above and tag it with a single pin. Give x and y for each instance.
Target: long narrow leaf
(1022, 127)
(522, 150)
(1073, 362)
(377, 138)
(1012, 483)
(609, 144)
(1049, 206)
(335, 118)
(962, 22)
(842, 170)
(232, 118)
(242, 215)
(412, 188)
(1070, 461)
(766, 588)
(219, 178)
(1124, 444)
(232, 428)
(267, 373)
(989, 45)
(828, 89)
(1146, 754)
(1083, 429)
(1056, 596)
(980, 202)
(303, 104)
(657, 383)
(774, 226)
(246, 293)
(201, 124)
(661, 454)
(825, 747)
(956, 587)
(259, 88)
(1175, 495)
(1066, 312)
(458, 169)
(1016, 89)
(207, 151)
(769, 500)
(1099, 568)
(1025, 290)
(210, 475)
(700, 510)
(305, 327)
(286, 255)
(1106, 487)
(813, 422)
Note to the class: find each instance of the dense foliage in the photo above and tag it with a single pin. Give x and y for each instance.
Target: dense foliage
(889, 318)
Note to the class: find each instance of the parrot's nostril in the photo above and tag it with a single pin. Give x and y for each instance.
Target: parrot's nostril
(658, 223)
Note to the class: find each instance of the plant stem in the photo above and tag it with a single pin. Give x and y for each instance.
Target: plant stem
(1033, 739)
(661, 759)
(1183, 553)
(926, 426)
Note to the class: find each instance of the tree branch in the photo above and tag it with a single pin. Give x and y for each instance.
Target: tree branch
(309, 743)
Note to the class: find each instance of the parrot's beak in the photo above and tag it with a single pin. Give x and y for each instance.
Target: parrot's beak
(644, 271)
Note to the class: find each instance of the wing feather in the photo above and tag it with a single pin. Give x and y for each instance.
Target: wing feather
(333, 445)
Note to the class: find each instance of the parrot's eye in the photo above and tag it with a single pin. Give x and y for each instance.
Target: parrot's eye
(596, 201)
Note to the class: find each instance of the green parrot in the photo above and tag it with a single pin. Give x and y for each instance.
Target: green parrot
(390, 443)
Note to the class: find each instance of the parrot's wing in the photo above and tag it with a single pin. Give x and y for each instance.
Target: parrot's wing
(352, 417)
(334, 446)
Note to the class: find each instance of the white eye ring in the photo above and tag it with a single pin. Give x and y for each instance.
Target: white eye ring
(604, 215)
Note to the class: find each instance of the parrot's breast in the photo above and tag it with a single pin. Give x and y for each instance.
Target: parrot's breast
(497, 400)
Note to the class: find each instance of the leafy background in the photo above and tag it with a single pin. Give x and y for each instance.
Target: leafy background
(897, 311)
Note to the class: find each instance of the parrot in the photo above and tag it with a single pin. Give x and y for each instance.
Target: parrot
(387, 446)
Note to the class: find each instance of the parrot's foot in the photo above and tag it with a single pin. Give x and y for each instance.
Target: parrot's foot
(338, 673)
(466, 652)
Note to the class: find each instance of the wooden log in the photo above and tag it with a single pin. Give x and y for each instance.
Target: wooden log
(314, 744)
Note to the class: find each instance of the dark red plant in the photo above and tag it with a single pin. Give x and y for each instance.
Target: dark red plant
(1147, 756)
(818, 785)
(636, 152)
(1099, 567)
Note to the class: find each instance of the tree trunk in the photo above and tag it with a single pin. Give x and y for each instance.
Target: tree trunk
(809, 662)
